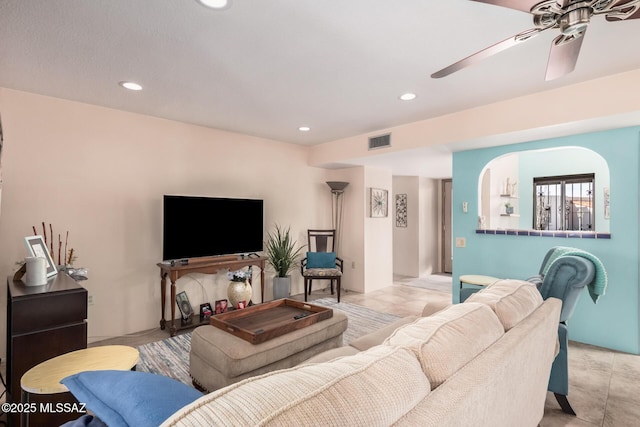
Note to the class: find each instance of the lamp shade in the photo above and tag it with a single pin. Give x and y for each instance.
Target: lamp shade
(337, 185)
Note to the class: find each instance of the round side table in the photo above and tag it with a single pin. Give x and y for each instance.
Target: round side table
(45, 377)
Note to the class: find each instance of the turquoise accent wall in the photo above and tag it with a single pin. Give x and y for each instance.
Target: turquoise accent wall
(614, 321)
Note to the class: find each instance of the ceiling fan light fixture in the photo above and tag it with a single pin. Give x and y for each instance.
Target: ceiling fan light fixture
(408, 96)
(575, 22)
(216, 4)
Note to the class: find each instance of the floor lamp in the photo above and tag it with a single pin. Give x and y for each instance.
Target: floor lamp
(337, 189)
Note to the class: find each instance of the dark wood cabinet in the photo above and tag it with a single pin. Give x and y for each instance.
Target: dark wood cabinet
(42, 322)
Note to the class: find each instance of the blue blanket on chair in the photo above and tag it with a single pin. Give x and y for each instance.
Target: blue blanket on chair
(598, 285)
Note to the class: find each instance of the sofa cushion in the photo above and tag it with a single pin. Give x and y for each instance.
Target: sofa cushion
(449, 339)
(334, 353)
(339, 392)
(378, 336)
(511, 300)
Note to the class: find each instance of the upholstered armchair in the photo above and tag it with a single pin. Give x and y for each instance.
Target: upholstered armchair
(563, 274)
(321, 262)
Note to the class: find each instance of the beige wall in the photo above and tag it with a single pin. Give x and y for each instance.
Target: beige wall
(415, 247)
(101, 173)
(378, 238)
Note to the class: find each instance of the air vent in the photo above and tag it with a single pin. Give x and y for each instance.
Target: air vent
(379, 141)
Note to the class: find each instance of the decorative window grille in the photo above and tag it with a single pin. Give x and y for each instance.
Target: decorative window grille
(564, 202)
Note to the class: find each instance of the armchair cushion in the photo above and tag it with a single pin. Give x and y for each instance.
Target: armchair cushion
(322, 272)
(321, 260)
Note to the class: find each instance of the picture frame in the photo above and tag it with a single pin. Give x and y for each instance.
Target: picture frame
(222, 306)
(38, 248)
(378, 203)
(184, 305)
(205, 310)
(401, 210)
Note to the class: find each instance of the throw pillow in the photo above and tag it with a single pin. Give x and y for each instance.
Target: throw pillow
(130, 398)
(321, 260)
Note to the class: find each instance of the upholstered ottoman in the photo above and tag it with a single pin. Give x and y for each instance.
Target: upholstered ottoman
(219, 358)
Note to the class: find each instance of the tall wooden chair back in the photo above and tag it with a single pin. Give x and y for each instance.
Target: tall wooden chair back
(321, 240)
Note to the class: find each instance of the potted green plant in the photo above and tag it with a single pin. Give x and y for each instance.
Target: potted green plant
(508, 208)
(282, 254)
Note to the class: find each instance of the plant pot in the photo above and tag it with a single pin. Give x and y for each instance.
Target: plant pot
(239, 291)
(281, 287)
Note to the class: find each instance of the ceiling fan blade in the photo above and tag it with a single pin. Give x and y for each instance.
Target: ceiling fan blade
(564, 55)
(623, 11)
(485, 53)
(523, 5)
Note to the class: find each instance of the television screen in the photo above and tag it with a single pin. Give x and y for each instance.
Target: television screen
(207, 226)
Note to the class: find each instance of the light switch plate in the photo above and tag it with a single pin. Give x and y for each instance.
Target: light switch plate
(461, 242)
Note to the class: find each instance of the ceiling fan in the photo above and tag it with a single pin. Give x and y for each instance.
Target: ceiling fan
(570, 16)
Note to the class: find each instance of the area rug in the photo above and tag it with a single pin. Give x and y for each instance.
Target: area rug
(170, 357)
(434, 282)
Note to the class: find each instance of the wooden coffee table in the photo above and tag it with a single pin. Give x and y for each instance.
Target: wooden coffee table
(262, 322)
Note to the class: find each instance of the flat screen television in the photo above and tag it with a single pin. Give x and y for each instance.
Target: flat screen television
(208, 226)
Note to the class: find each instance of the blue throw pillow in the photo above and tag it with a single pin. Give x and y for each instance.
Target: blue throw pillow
(321, 260)
(130, 398)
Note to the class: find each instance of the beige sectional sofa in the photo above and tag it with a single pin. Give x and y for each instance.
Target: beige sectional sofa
(485, 362)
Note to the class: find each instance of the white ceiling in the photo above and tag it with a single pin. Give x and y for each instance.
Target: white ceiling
(266, 67)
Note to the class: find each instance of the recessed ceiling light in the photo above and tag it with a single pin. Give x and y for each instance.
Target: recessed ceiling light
(408, 96)
(130, 85)
(215, 4)
(304, 128)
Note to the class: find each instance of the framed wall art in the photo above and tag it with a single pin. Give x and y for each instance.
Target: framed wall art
(401, 210)
(37, 248)
(379, 203)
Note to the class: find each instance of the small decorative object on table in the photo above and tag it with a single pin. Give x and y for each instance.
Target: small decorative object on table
(239, 288)
(205, 310)
(222, 306)
(184, 305)
(37, 247)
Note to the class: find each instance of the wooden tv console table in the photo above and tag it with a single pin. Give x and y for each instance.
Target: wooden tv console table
(207, 266)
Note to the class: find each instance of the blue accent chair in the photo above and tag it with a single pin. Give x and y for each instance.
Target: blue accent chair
(565, 279)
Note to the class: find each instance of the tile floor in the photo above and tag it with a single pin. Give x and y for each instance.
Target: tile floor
(604, 384)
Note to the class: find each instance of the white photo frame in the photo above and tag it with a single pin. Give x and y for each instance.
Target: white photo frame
(37, 248)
